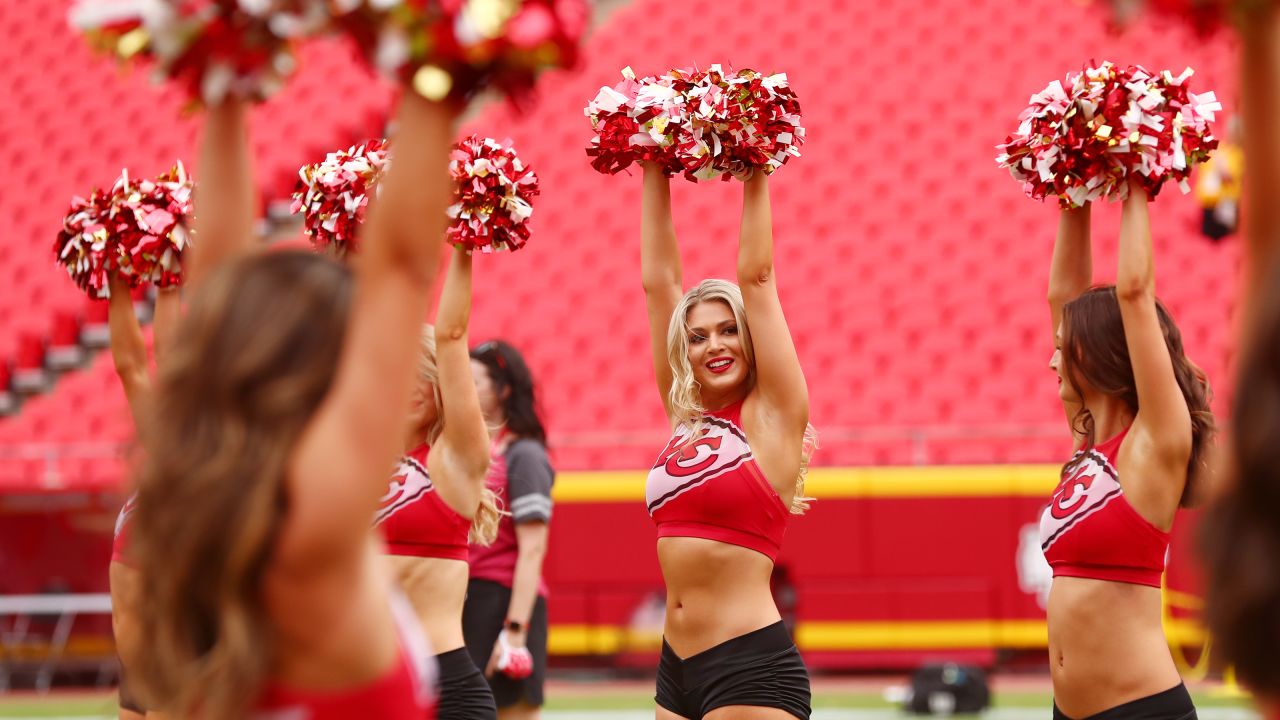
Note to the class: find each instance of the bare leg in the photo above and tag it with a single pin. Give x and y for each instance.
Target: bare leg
(748, 712)
(665, 714)
(520, 711)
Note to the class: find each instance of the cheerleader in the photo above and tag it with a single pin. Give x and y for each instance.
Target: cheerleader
(722, 490)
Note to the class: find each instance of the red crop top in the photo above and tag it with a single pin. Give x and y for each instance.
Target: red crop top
(713, 488)
(121, 537)
(405, 692)
(1089, 529)
(413, 518)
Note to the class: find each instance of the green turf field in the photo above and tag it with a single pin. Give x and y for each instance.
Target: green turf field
(633, 705)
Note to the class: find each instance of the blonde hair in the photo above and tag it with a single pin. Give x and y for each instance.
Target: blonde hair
(685, 397)
(484, 525)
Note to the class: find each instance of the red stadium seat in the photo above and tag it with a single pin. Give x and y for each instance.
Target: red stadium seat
(65, 351)
(912, 270)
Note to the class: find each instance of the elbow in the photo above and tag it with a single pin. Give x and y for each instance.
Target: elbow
(659, 284)
(1135, 290)
(755, 273)
(133, 376)
(534, 550)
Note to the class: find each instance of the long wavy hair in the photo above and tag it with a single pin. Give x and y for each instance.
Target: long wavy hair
(253, 360)
(1094, 351)
(484, 525)
(513, 383)
(685, 397)
(1240, 533)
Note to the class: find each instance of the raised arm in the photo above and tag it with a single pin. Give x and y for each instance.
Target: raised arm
(1070, 274)
(1164, 421)
(1260, 104)
(128, 347)
(340, 466)
(461, 458)
(779, 377)
(659, 271)
(1071, 271)
(224, 196)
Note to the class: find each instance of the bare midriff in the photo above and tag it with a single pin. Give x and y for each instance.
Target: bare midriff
(1106, 645)
(436, 589)
(715, 592)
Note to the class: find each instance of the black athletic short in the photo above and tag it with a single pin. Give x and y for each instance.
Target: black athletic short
(483, 616)
(1172, 704)
(761, 669)
(464, 694)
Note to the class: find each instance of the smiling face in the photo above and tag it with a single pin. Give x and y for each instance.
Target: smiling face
(720, 367)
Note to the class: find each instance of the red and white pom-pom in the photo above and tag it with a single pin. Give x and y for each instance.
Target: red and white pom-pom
(138, 229)
(1085, 141)
(213, 48)
(739, 123)
(1168, 128)
(493, 200)
(637, 121)
(451, 48)
(84, 245)
(149, 220)
(703, 124)
(333, 194)
(611, 117)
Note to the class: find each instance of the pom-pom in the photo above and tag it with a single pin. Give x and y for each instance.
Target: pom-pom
(739, 123)
(1086, 140)
(704, 124)
(150, 218)
(138, 229)
(333, 194)
(85, 246)
(494, 197)
(213, 48)
(451, 48)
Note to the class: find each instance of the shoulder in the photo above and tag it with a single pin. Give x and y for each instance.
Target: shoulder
(527, 449)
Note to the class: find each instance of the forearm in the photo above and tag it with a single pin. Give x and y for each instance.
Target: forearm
(659, 250)
(1135, 268)
(1071, 271)
(407, 218)
(164, 322)
(524, 586)
(224, 206)
(454, 313)
(755, 236)
(128, 347)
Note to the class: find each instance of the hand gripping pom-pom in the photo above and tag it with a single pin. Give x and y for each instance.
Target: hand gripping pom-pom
(151, 219)
(333, 195)
(213, 48)
(1084, 141)
(739, 123)
(493, 199)
(451, 48)
(138, 229)
(702, 124)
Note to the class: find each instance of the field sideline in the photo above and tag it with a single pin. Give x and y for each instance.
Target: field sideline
(608, 700)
